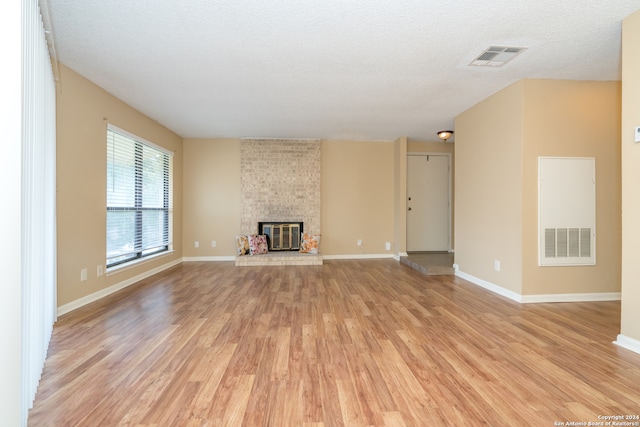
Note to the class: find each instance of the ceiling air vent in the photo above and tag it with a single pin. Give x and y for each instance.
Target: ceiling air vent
(496, 56)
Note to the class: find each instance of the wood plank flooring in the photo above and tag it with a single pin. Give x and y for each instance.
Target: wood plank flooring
(353, 343)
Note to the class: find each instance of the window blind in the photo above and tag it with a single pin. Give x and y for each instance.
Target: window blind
(139, 198)
(37, 209)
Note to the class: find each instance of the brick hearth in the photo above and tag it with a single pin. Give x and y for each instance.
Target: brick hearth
(281, 258)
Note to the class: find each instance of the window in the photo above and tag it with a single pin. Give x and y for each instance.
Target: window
(139, 198)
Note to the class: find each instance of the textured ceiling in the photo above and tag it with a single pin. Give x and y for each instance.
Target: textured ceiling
(375, 69)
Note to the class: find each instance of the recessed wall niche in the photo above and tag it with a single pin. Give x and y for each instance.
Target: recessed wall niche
(280, 181)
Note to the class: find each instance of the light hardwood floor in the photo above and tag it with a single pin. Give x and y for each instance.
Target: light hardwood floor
(356, 343)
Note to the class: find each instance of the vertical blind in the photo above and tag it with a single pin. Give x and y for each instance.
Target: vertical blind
(38, 202)
(139, 198)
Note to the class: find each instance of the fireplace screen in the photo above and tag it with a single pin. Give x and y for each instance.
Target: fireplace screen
(281, 236)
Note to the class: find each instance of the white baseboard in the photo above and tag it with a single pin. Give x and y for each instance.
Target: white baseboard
(399, 254)
(357, 256)
(66, 308)
(489, 286)
(542, 298)
(590, 297)
(326, 257)
(208, 258)
(628, 343)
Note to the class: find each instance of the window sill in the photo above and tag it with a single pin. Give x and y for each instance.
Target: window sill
(136, 263)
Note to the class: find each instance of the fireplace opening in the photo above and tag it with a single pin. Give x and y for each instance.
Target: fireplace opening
(282, 236)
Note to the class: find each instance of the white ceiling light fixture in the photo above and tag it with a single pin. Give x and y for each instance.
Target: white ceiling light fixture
(497, 56)
(445, 134)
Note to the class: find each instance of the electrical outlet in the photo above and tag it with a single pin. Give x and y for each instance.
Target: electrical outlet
(496, 265)
(387, 246)
(359, 242)
(637, 134)
(196, 244)
(214, 243)
(83, 274)
(99, 271)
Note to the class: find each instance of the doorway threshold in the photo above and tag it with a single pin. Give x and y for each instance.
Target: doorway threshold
(430, 263)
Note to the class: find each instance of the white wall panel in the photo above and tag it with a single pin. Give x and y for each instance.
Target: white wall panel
(566, 210)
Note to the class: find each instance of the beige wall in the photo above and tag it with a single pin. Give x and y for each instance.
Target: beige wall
(357, 182)
(630, 325)
(498, 143)
(212, 196)
(83, 111)
(415, 146)
(580, 119)
(357, 197)
(400, 196)
(488, 190)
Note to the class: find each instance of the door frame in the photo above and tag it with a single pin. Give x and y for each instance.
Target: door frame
(449, 182)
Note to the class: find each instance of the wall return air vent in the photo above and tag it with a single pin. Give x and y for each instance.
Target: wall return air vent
(497, 56)
(566, 211)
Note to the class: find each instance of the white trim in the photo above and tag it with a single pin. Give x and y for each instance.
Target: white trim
(628, 343)
(208, 258)
(489, 286)
(542, 298)
(136, 263)
(587, 297)
(66, 308)
(399, 255)
(358, 256)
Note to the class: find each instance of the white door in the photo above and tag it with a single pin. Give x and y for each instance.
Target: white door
(428, 203)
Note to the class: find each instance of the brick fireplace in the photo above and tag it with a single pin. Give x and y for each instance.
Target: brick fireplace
(280, 183)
